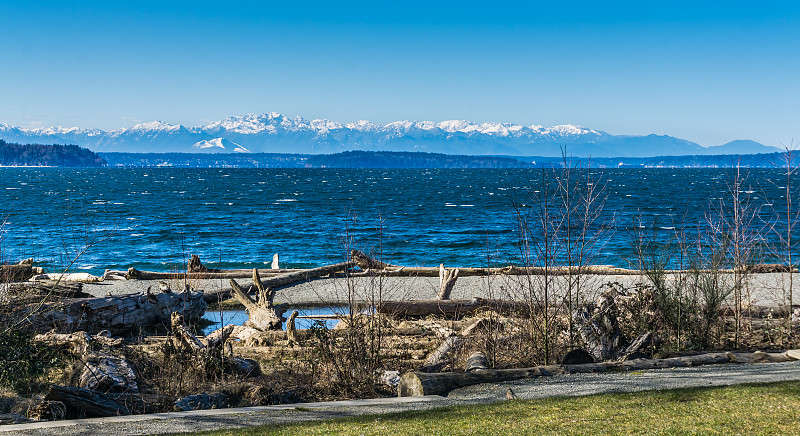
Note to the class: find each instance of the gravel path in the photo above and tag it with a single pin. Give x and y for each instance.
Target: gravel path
(569, 385)
(766, 289)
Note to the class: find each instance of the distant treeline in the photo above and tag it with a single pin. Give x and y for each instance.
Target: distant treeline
(12, 154)
(765, 160)
(207, 160)
(388, 159)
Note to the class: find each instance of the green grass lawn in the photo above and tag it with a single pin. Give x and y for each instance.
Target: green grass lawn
(751, 409)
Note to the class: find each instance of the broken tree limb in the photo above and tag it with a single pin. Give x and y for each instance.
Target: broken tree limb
(447, 280)
(422, 383)
(261, 314)
(447, 308)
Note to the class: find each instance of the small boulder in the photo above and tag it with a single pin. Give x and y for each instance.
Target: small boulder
(202, 401)
(577, 356)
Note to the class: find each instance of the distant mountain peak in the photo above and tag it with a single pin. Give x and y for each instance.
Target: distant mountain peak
(275, 132)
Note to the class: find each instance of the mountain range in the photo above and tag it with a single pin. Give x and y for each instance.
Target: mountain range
(276, 133)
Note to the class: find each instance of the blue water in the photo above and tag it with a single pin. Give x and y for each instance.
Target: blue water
(153, 218)
(238, 317)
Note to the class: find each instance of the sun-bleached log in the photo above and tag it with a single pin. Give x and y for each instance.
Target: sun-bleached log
(119, 315)
(422, 383)
(447, 280)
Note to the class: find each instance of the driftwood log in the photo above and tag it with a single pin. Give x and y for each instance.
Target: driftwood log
(440, 357)
(422, 383)
(448, 308)
(283, 279)
(47, 288)
(119, 315)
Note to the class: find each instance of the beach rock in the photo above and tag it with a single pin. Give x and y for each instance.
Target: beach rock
(577, 356)
(202, 401)
(245, 367)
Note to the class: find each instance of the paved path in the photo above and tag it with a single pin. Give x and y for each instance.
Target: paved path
(568, 385)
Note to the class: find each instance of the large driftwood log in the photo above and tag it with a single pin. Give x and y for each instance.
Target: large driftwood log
(47, 288)
(283, 279)
(447, 308)
(422, 383)
(85, 403)
(135, 274)
(119, 315)
(447, 280)
(262, 314)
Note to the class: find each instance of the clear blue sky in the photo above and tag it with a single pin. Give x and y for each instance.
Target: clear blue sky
(705, 73)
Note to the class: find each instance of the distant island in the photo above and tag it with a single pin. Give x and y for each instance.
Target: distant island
(389, 159)
(55, 155)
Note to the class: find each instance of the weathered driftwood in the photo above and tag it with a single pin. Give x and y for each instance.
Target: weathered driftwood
(599, 327)
(78, 342)
(447, 308)
(85, 403)
(447, 280)
(291, 331)
(276, 281)
(118, 315)
(261, 314)
(106, 373)
(422, 383)
(440, 357)
(135, 274)
(47, 288)
(476, 361)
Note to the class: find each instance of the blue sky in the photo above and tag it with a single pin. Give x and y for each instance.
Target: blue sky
(707, 73)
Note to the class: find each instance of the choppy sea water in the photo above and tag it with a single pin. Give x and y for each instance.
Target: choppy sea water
(238, 218)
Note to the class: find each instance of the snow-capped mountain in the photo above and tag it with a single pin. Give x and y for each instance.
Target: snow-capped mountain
(273, 132)
(218, 145)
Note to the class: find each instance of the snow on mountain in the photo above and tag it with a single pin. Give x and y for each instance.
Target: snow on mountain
(274, 132)
(218, 145)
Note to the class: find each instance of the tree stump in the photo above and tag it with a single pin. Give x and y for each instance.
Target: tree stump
(262, 314)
